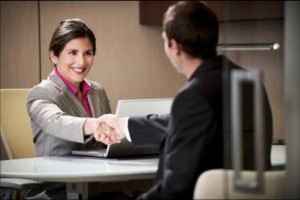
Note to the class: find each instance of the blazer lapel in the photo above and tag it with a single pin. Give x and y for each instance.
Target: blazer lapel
(67, 96)
(94, 101)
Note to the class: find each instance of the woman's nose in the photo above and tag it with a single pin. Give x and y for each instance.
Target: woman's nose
(80, 60)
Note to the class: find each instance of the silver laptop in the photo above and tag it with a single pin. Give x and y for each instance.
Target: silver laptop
(131, 107)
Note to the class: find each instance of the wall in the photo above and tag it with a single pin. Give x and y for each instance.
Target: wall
(130, 62)
(269, 62)
(19, 44)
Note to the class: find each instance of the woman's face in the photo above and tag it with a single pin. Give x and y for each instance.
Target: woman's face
(75, 60)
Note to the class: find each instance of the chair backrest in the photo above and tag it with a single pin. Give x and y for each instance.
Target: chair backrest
(5, 153)
(15, 122)
(219, 184)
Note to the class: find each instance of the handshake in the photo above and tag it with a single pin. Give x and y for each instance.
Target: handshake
(108, 128)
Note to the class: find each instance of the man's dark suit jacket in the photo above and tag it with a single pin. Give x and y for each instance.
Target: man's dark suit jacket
(194, 139)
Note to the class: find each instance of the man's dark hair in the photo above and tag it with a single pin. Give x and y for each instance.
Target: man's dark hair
(194, 25)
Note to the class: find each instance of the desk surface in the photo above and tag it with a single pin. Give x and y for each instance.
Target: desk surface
(82, 169)
(79, 169)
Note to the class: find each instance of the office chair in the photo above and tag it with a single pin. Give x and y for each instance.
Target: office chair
(9, 186)
(220, 184)
(237, 183)
(15, 127)
(15, 122)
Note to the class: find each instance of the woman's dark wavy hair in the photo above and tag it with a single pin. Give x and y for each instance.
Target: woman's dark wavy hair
(68, 30)
(194, 25)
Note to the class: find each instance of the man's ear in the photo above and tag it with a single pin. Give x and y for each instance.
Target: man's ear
(175, 46)
(53, 58)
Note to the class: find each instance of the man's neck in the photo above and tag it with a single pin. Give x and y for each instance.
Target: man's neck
(191, 65)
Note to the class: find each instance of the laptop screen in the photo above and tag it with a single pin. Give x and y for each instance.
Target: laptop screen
(131, 107)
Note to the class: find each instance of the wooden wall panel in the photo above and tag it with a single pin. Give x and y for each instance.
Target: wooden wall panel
(19, 44)
(247, 10)
(130, 61)
(269, 62)
(151, 12)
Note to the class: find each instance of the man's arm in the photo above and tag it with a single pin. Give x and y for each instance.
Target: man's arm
(140, 130)
(148, 129)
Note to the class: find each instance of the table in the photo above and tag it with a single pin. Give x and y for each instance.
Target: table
(79, 172)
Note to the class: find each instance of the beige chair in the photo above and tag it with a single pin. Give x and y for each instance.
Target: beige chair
(10, 186)
(16, 139)
(219, 184)
(15, 122)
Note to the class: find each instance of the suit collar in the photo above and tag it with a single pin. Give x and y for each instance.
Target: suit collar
(210, 64)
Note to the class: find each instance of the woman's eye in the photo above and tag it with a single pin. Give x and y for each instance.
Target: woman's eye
(72, 52)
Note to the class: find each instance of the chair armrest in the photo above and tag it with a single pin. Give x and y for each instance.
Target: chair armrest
(17, 183)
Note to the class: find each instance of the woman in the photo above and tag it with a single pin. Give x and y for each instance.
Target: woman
(63, 108)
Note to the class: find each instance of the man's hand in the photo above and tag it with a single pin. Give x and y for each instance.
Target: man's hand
(111, 129)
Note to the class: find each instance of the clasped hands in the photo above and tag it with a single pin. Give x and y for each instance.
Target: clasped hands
(108, 128)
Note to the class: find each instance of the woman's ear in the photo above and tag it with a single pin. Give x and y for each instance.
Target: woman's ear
(53, 58)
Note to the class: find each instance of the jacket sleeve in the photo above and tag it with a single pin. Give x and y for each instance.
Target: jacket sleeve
(44, 111)
(148, 129)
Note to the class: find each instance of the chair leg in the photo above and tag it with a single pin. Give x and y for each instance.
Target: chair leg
(6, 194)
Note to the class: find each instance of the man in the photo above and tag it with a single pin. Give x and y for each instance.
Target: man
(193, 141)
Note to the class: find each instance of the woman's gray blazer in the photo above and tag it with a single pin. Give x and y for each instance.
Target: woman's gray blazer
(57, 117)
